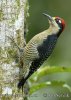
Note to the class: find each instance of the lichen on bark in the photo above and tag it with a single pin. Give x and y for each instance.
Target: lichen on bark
(13, 24)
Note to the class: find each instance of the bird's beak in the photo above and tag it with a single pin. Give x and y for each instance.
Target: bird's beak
(49, 17)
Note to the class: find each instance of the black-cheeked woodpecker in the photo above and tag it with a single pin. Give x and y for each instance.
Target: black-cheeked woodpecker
(40, 47)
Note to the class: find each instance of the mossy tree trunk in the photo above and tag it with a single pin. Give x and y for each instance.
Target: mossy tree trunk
(13, 15)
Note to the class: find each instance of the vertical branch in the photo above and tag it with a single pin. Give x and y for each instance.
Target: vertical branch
(21, 23)
(13, 22)
(19, 26)
(21, 39)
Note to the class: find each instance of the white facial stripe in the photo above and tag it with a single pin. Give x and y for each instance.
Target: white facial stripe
(59, 21)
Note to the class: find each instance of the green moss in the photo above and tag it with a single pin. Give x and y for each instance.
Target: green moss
(1, 15)
(18, 3)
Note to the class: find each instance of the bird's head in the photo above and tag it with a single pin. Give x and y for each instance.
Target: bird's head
(56, 22)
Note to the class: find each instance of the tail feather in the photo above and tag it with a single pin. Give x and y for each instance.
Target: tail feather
(21, 83)
(23, 80)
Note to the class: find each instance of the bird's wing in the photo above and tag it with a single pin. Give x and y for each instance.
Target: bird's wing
(46, 48)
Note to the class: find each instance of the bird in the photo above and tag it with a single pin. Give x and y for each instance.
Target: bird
(40, 47)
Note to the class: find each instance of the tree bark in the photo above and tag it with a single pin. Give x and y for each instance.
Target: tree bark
(13, 22)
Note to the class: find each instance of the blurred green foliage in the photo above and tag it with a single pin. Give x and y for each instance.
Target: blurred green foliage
(61, 55)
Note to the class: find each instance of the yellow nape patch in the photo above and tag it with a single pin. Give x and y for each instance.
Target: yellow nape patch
(53, 18)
